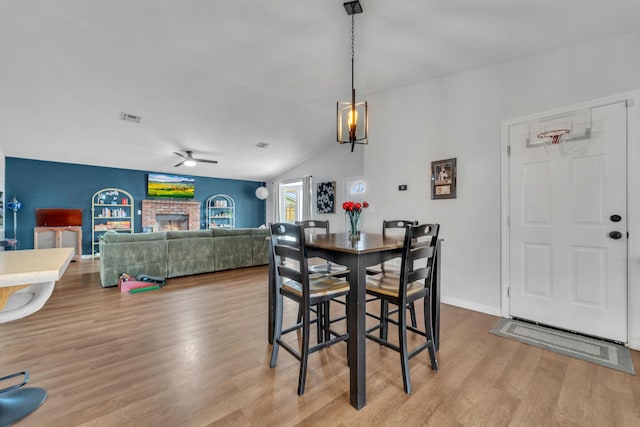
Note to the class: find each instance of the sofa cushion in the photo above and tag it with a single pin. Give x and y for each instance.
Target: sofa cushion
(221, 231)
(232, 252)
(138, 237)
(145, 257)
(259, 231)
(190, 256)
(188, 234)
(259, 247)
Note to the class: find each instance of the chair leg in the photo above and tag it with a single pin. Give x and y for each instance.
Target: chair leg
(305, 351)
(384, 325)
(327, 321)
(402, 344)
(299, 318)
(277, 331)
(428, 327)
(412, 310)
(319, 322)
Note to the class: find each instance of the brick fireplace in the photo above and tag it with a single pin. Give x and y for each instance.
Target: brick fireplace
(151, 209)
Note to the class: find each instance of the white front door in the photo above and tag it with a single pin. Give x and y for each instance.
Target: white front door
(566, 269)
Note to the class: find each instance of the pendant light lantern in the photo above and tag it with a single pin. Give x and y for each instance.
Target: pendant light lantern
(352, 116)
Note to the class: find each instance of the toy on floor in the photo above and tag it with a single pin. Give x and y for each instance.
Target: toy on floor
(157, 280)
(141, 283)
(145, 289)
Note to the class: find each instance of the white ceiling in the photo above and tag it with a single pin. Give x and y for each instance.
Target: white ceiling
(217, 77)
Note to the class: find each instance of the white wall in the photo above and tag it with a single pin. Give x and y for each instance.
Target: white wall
(460, 116)
(335, 163)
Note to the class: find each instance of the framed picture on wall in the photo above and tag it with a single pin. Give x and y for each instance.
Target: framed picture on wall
(443, 179)
(326, 197)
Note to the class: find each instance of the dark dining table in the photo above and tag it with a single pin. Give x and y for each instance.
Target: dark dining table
(358, 254)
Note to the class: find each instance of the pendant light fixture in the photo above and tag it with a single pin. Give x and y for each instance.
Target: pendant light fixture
(352, 121)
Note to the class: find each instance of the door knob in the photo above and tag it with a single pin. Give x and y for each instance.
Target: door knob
(615, 235)
(615, 218)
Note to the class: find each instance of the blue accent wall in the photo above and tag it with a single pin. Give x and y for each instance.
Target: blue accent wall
(40, 184)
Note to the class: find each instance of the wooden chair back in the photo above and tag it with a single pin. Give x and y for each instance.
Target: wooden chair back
(314, 225)
(418, 254)
(288, 241)
(395, 224)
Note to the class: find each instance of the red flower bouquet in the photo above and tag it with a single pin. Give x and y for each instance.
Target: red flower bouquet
(353, 210)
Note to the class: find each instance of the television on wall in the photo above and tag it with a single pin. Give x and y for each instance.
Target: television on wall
(170, 186)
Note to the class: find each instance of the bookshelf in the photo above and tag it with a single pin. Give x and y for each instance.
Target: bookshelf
(220, 211)
(111, 209)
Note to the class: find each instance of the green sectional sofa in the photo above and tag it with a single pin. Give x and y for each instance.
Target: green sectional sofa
(181, 253)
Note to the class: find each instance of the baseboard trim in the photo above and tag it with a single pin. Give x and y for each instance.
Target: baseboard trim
(494, 311)
(634, 343)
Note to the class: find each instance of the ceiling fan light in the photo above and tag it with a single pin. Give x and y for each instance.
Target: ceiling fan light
(189, 163)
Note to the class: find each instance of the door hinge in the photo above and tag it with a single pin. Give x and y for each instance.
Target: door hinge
(508, 150)
(508, 292)
(508, 221)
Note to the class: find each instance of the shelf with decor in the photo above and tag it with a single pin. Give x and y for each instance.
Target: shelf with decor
(111, 210)
(220, 211)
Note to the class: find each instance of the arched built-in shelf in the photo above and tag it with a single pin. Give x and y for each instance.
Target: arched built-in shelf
(220, 211)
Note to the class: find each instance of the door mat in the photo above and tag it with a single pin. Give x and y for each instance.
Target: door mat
(592, 350)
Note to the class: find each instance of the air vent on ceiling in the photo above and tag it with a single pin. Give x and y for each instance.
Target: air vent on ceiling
(262, 145)
(130, 117)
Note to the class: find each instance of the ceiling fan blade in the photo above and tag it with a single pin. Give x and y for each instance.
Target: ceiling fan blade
(180, 154)
(179, 164)
(205, 161)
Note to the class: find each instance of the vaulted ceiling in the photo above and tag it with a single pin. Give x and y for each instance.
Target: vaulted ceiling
(219, 77)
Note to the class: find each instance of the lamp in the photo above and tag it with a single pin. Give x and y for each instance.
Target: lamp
(15, 206)
(262, 193)
(352, 120)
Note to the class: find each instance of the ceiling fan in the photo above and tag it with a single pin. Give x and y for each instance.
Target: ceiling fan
(189, 160)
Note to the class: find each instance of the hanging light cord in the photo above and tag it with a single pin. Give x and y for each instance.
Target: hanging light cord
(352, 48)
(352, 127)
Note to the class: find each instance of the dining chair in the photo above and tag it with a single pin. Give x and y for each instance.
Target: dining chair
(294, 281)
(413, 283)
(392, 228)
(313, 226)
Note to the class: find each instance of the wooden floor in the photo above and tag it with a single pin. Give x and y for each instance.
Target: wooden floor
(195, 353)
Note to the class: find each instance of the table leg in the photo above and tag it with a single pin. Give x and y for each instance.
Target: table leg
(272, 294)
(435, 297)
(356, 325)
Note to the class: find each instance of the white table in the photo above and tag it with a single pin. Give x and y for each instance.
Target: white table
(39, 268)
(33, 266)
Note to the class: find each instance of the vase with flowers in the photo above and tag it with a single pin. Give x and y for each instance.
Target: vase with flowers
(353, 210)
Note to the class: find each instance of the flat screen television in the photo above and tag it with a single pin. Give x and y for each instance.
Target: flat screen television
(170, 186)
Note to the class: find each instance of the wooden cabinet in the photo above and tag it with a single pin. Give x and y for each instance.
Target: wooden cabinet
(220, 211)
(111, 209)
(59, 237)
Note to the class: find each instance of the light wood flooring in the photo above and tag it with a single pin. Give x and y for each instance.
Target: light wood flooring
(195, 353)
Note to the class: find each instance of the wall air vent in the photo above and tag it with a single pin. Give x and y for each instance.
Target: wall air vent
(130, 118)
(262, 145)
